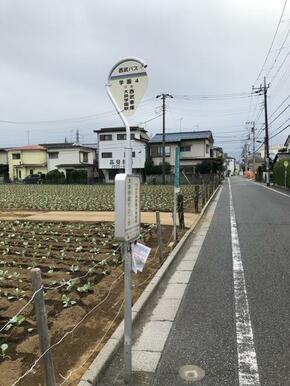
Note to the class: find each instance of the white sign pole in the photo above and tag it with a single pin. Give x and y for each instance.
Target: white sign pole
(126, 86)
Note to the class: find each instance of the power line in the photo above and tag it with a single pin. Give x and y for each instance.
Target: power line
(272, 43)
(282, 112)
(279, 52)
(69, 120)
(279, 132)
(279, 106)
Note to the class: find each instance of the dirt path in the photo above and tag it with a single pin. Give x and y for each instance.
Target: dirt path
(90, 217)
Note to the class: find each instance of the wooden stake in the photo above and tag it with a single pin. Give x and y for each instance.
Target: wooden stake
(42, 328)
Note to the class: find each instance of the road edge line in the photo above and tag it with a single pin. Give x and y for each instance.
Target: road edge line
(101, 361)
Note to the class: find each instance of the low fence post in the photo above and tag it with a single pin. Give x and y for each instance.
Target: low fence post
(180, 209)
(196, 198)
(42, 328)
(159, 236)
(203, 195)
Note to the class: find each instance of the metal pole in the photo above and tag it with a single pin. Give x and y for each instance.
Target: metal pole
(285, 177)
(127, 311)
(41, 321)
(254, 150)
(159, 236)
(266, 134)
(174, 213)
(126, 257)
(163, 139)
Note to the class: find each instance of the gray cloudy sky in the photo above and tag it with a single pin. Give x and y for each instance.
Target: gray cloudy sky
(56, 55)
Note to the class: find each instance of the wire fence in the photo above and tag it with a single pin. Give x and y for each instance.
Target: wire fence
(202, 194)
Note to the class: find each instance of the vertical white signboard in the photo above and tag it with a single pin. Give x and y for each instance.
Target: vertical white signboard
(127, 207)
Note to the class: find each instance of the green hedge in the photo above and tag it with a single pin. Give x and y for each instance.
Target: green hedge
(279, 173)
(55, 177)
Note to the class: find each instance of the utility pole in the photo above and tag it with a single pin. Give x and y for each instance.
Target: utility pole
(253, 131)
(77, 136)
(28, 136)
(163, 97)
(254, 149)
(262, 90)
(266, 134)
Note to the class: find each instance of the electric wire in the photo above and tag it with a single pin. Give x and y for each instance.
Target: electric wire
(272, 43)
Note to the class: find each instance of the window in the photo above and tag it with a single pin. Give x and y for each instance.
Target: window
(84, 157)
(19, 174)
(53, 155)
(31, 171)
(15, 155)
(106, 137)
(185, 148)
(160, 151)
(107, 155)
(133, 154)
(121, 137)
(207, 148)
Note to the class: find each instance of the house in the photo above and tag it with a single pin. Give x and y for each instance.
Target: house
(273, 150)
(287, 143)
(67, 157)
(230, 166)
(218, 152)
(195, 146)
(26, 160)
(111, 151)
(4, 166)
(282, 156)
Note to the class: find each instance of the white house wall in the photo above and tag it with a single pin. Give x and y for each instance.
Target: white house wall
(197, 150)
(117, 148)
(68, 157)
(3, 158)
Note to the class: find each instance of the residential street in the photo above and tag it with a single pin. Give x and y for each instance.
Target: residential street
(234, 318)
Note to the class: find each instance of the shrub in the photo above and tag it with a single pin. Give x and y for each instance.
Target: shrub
(279, 173)
(77, 176)
(55, 177)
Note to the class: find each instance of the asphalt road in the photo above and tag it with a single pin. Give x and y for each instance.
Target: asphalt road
(206, 329)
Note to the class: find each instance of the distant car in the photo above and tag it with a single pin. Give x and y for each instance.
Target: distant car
(33, 179)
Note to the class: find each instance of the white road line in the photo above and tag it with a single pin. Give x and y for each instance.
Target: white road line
(247, 361)
(273, 190)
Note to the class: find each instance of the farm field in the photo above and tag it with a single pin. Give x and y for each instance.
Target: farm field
(85, 197)
(83, 280)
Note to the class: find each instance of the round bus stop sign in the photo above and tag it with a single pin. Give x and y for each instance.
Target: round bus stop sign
(286, 164)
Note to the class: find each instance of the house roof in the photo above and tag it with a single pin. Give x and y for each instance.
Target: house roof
(118, 129)
(218, 148)
(28, 147)
(281, 156)
(183, 136)
(66, 145)
(79, 166)
(287, 142)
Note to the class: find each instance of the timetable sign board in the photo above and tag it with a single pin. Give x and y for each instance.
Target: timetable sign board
(128, 83)
(127, 207)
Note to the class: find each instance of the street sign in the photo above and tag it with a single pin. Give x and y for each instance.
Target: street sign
(285, 164)
(128, 83)
(127, 207)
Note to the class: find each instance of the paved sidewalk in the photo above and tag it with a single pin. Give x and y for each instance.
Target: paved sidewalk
(151, 335)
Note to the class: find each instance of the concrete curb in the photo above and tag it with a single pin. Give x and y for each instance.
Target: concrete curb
(101, 361)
